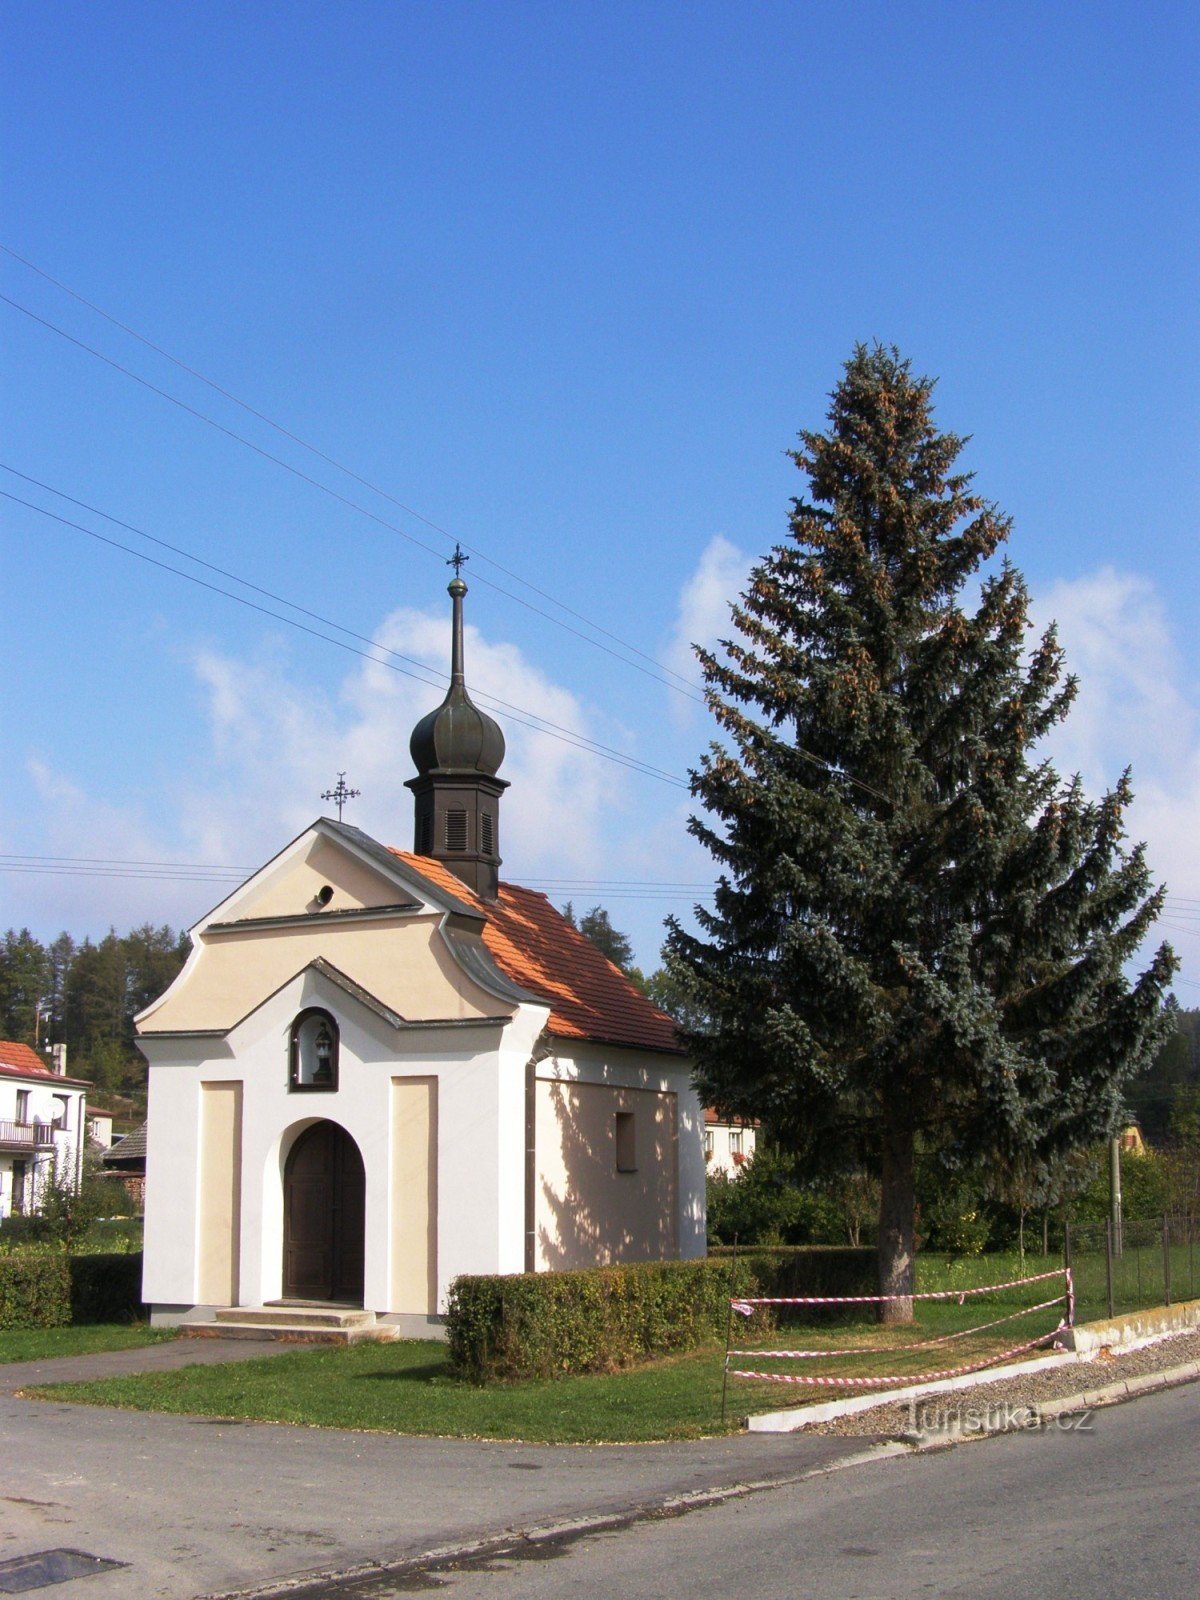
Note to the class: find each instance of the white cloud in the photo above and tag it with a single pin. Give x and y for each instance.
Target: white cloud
(1136, 707)
(720, 577)
(269, 743)
(70, 823)
(1133, 708)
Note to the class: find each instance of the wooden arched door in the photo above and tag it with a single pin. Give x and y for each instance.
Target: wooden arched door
(324, 1214)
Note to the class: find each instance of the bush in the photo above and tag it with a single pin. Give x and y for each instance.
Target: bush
(35, 1291)
(1145, 1189)
(16, 1232)
(772, 1201)
(543, 1324)
(955, 1220)
(50, 1289)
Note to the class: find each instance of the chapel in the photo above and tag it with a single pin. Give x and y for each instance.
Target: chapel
(380, 1068)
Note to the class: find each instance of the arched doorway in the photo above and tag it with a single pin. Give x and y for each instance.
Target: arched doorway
(324, 1211)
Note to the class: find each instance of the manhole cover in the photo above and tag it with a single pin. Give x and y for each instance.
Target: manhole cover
(40, 1570)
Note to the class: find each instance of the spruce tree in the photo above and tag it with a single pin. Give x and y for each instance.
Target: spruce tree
(919, 936)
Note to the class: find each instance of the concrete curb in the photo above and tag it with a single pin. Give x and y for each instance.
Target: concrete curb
(1084, 1343)
(793, 1420)
(1032, 1418)
(1136, 1328)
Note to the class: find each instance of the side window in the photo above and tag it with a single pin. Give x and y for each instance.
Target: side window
(626, 1142)
(313, 1059)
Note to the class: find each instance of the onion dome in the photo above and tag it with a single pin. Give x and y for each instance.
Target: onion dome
(457, 750)
(457, 737)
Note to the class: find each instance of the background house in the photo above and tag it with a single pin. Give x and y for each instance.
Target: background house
(126, 1158)
(42, 1126)
(728, 1143)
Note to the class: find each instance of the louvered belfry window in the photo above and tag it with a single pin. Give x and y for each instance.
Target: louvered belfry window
(487, 834)
(456, 829)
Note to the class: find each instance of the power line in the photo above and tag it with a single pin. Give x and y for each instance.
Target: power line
(137, 875)
(525, 718)
(128, 861)
(683, 686)
(517, 713)
(342, 499)
(331, 461)
(212, 872)
(438, 679)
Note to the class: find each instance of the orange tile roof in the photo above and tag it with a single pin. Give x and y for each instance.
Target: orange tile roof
(711, 1116)
(21, 1059)
(533, 944)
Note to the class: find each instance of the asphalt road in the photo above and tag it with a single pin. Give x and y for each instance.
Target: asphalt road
(193, 1507)
(196, 1507)
(1111, 1512)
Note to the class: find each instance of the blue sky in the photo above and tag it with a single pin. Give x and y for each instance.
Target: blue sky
(564, 281)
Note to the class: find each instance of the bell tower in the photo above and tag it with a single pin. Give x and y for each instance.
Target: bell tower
(457, 750)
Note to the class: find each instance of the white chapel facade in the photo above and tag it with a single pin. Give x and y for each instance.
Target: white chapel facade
(379, 1069)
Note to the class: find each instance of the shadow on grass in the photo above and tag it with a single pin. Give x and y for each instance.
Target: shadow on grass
(433, 1372)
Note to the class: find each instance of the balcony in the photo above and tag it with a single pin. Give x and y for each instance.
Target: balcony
(27, 1135)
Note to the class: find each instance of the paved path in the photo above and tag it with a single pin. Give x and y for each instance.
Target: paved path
(148, 1358)
(199, 1507)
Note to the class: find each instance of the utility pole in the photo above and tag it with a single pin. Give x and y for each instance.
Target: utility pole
(1114, 1189)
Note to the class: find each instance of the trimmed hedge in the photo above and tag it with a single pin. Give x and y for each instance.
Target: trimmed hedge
(52, 1290)
(35, 1291)
(544, 1324)
(106, 1288)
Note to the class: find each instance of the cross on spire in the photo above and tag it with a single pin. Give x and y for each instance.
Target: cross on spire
(457, 560)
(340, 794)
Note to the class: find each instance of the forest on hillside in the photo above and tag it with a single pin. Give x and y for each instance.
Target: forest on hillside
(85, 994)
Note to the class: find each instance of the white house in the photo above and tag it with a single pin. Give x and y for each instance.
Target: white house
(379, 1069)
(728, 1143)
(42, 1126)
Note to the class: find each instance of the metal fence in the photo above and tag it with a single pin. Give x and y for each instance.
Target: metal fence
(1136, 1265)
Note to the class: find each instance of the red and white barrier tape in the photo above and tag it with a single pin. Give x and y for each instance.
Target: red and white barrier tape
(897, 1349)
(745, 1304)
(896, 1379)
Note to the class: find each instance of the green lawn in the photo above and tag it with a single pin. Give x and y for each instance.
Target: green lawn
(408, 1387)
(40, 1344)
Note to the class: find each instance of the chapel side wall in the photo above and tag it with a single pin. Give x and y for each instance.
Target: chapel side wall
(588, 1212)
(585, 1211)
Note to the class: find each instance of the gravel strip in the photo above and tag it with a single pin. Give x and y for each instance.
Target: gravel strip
(899, 1419)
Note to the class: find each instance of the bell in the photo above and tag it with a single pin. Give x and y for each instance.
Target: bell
(323, 1044)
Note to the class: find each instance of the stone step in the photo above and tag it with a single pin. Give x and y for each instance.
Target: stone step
(298, 1316)
(291, 1332)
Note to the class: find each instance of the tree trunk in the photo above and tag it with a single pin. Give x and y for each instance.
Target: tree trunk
(896, 1200)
